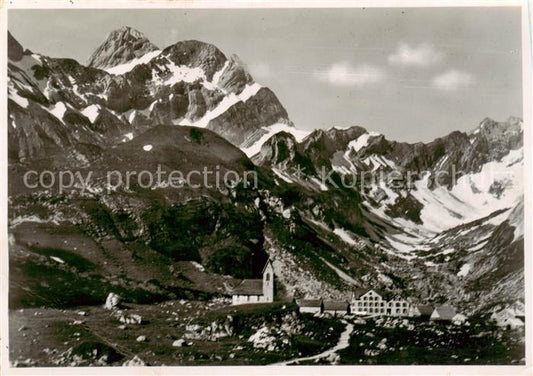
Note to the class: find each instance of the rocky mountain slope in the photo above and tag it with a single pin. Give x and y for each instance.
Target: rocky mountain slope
(57, 104)
(335, 209)
(121, 46)
(452, 208)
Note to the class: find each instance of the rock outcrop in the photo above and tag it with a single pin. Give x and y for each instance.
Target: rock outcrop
(120, 46)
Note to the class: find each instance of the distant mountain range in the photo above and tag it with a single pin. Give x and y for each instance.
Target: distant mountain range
(455, 234)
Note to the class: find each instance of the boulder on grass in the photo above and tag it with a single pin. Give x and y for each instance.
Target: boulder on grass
(135, 362)
(113, 301)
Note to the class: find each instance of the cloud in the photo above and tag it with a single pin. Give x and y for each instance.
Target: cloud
(344, 74)
(452, 80)
(422, 55)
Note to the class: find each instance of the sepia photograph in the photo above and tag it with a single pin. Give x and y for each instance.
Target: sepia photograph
(265, 186)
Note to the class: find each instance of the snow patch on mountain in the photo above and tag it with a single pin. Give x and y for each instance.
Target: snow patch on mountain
(465, 269)
(91, 112)
(14, 95)
(323, 187)
(224, 105)
(375, 162)
(405, 245)
(344, 235)
(126, 67)
(270, 131)
(345, 277)
(473, 196)
(361, 141)
(282, 175)
(249, 91)
(183, 73)
(58, 110)
(218, 74)
(22, 102)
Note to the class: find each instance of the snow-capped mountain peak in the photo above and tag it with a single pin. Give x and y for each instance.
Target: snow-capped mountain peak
(135, 87)
(119, 47)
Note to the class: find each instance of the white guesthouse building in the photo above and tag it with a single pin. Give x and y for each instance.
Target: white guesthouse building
(256, 290)
(370, 302)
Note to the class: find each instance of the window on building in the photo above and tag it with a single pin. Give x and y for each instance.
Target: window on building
(267, 277)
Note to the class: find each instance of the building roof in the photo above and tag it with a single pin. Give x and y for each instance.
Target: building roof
(425, 309)
(249, 287)
(446, 312)
(335, 305)
(269, 262)
(396, 298)
(357, 293)
(360, 292)
(309, 302)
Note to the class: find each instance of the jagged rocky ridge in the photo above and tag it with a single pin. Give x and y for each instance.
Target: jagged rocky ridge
(119, 47)
(58, 104)
(457, 241)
